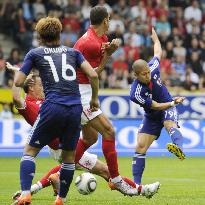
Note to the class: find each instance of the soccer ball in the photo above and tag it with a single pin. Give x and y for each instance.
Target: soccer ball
(86, 183)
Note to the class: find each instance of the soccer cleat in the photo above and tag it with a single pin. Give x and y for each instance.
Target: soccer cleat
(16, 195)
(174, 149)
(149, 190)
(123, 187)
(58, 201)
(23, 200)
(55, 182)
(127, 180)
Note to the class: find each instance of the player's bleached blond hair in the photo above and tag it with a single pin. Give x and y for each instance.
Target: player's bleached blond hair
(49, 30)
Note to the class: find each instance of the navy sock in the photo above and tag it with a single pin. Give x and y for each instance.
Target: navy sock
(27, 171)
(66, 177)
(176, 137)
(138, 165)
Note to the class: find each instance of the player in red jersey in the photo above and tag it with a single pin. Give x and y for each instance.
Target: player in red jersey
(94, 46)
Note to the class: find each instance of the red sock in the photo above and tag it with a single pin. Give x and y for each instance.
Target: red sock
(129, 181)
(44, 180)
(80, 149)
(108, 147)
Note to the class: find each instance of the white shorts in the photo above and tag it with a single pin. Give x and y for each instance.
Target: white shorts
(87, 161)
(86, 94)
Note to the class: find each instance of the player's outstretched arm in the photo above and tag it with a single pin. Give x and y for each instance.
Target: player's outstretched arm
(157, 44)
(94, 81)
(16, 91)
(164, 106)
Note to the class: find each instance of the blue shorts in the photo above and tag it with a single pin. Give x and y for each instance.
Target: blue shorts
(153, 124)
(56, 120)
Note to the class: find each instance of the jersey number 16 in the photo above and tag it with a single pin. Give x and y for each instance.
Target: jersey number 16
(65, 67)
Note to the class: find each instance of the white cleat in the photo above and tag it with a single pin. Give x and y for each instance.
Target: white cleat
(125, 188)
(149, 190)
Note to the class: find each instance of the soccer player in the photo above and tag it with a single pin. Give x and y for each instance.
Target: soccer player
(93, 44)
(60, 113)
(29, 108)
(148, 91)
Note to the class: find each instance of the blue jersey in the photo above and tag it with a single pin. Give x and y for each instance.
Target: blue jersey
(57, 68)
(143, 94)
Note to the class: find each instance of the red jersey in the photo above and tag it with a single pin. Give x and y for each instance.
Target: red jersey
(30, 113)
(31, 109)
(91, 46)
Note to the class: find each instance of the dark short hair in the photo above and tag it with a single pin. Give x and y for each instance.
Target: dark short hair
(98, 14)
(28, 81)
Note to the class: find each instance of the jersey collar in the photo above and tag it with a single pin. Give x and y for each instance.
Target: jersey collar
(92, 30)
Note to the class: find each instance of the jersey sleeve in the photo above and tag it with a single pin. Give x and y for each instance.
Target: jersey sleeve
(154, 66)
(79, 45)
(80, 58)
(137, 95)
(28, 63)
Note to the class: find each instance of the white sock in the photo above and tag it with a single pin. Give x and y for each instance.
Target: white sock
(23, 193)
(116, 179)
(36, 187)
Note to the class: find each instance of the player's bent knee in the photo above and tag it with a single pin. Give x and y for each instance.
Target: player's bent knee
(90, 141)
(32, 151)
(141, 148)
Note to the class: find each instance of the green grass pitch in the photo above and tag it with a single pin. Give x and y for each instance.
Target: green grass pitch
(182, 183)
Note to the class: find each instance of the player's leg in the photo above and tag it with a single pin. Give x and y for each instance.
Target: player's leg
(41, 184)
(105, 128)
(148, 131)
(69, 136)
(41, 134)
(170, 122)
(89, 137)
(27, 171)
(138, 164)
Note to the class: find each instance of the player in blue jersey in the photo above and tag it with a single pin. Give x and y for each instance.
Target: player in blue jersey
(60, 113)
(148, 91)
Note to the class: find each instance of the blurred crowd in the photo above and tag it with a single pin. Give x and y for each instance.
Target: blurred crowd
(180, 25)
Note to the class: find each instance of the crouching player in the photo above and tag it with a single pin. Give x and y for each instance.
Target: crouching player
(149, 92)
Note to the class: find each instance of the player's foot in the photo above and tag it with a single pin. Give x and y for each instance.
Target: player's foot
(54, 179)
(173, 148)
(23, 200)
(127, 180)
(16, 195)
(58, 201)
(148, 190)
(123, 187)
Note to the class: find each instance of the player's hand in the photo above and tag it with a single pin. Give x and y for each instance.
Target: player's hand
(11, 67)
(154, 35)
(178, 100)
(30, 80)
(94, 105)
(112, 47)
